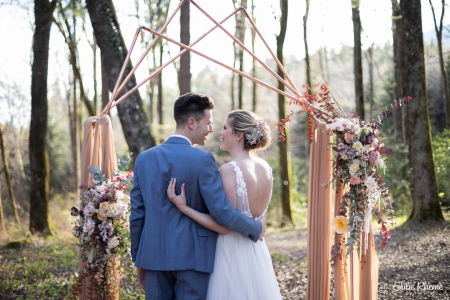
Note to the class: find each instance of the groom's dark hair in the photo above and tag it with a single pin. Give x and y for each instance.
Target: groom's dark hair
(191, 105)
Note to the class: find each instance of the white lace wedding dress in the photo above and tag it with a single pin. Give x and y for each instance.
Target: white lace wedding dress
(242, 269)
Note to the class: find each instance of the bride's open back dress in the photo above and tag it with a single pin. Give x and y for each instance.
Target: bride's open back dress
(242, 269)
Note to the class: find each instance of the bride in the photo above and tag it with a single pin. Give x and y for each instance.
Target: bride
(242, 269)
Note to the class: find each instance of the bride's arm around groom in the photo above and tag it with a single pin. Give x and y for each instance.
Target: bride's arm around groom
(168, 245)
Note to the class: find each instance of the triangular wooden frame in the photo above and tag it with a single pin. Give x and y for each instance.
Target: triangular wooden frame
(288, 83)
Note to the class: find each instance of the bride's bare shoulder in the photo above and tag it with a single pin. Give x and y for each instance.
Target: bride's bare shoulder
(226, 169)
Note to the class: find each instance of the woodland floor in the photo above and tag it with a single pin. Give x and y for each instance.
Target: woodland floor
(418, 256)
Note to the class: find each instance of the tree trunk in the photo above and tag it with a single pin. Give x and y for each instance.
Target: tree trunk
(185, 59)
(72, 105)
(323, 63)
(254, 66)
(285, 159)
(305, 40)
(132, 115)
(308, 73)
(441, 61)
(2, 216)
(425, 195)
(233, 76)
(39, 166)
(399, 68)
(8, 178)
(71, 42)
(357, 60)
(18, 140)
(241, 36)
(370, 63)
(76, 155)
(94, 53)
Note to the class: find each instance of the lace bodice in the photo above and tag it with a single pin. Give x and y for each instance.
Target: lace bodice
(241, 194)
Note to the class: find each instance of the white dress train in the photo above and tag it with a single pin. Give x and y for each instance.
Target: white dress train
(242, 269)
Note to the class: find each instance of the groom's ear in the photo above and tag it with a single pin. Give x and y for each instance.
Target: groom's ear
(191, 123)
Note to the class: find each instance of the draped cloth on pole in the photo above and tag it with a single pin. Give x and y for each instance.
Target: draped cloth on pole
(354, 278)
(319, 215)
(98, 150)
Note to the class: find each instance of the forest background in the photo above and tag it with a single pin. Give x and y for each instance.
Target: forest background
(78, 87)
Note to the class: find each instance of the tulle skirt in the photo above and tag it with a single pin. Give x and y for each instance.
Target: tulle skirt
(242, 270)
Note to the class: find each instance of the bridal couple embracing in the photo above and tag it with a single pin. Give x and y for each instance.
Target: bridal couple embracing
(196, 231)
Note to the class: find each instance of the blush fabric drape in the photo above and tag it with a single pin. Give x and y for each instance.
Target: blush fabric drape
(319, 215)
(354, 278)
(98, 150)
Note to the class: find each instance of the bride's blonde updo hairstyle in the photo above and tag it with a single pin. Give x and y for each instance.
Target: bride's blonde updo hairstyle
(257, 134)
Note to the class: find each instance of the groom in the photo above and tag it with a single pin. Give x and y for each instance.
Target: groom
(173, 254)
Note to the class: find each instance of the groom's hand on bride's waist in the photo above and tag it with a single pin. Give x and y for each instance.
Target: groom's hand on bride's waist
(264, 227)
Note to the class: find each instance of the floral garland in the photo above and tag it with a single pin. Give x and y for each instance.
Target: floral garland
(102, 229)
(359, 157)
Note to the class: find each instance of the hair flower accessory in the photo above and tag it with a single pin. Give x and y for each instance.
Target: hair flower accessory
(257, 133)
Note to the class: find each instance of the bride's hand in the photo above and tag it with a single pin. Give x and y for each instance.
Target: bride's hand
(180, 200)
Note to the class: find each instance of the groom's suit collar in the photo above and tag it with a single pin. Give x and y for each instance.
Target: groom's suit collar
(178, 139)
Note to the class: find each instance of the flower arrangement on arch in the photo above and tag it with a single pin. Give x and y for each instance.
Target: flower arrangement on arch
(359, 159)
(102, 228)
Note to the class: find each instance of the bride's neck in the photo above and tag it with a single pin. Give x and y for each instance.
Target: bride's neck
(241, 155)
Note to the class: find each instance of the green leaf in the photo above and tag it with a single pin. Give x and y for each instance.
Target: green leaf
(351, 229)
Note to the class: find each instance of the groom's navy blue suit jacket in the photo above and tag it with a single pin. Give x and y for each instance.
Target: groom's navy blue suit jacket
(164, 239)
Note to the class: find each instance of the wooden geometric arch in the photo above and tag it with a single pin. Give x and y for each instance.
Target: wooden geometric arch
(289, 84)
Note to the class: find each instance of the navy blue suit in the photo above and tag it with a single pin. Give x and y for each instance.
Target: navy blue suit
(164, 239)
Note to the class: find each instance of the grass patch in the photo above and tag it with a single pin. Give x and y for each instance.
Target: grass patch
(44, 269)
(39, 270)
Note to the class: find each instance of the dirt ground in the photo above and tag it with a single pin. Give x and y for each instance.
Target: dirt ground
(415, 265)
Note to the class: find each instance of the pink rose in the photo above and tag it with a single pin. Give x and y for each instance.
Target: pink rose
(348, 137)
(355, 180)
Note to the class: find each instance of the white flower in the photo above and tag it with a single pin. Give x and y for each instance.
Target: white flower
(78, 203)
(89, 226)
(120, 195)
(100, 188)
(353, 167)
(340, 224)
(121, 208)
(357, 146)
(89, 210)
(340, 124)
(113, 242)
(370, 182)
